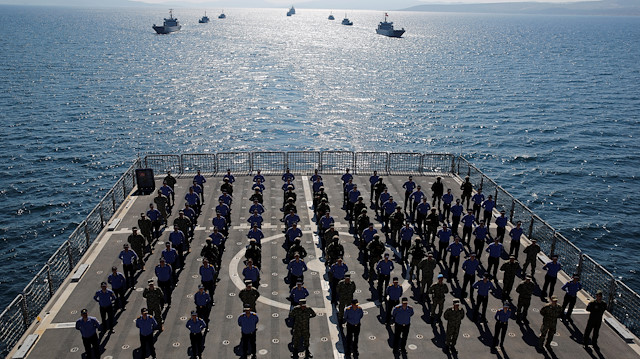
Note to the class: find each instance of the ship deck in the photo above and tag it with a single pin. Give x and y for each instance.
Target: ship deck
(58, 337)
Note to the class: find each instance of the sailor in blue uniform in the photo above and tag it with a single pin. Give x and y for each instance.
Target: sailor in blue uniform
(298, 292)
(447, 199)
(456, 212)
(467, 227)
(502, 322)
(551, 277)
(147, 324)
(208, 275)
(477, 200)
(252, 273)
(258, 177)
(200, 180)
(256, 233)
(178, 239)
(372, 181)
(488, 206)
(408, 190)
(171, 257)
(402, 314)
(336, 274)
(203, 302)
(501, 223)
(128, 258)
(118, 285)
(194, 201)
(105, 298)
(196, 325)
(248, 323)
(483, 286)
(352, 316)
(515, 234)
(288, 176)
(392, 294)
(164, 272)
(255, 220)
(87, 326)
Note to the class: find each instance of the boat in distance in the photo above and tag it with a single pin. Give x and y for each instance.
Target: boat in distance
(331, 17)
(222, 15)
(170, 25)
(386, 28)
(346, 21)
(291, 11)
(204, 19)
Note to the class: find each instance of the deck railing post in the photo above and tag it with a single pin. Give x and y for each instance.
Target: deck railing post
(580, 262)
(101, 216)
(113, 201)
(49, 281)
(513, 208)
(71, 265)
(25, 312)
(124, 189)
(481, 182)
(453, 164)
(612, 290)
(495, 198)
(87, 236)
(553, 244)
(530, 234)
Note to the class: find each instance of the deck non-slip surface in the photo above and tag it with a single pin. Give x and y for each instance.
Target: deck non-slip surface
(59, 338)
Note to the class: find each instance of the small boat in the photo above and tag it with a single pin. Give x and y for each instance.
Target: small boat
(386, 28)
(204, 19)
(291, 11)
(346, 21)
(170, 25)
(331, 17)
(222, 15)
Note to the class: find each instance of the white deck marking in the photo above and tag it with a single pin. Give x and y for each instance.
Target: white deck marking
(333, 330)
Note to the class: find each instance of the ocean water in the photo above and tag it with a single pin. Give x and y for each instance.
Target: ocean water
(547, 106)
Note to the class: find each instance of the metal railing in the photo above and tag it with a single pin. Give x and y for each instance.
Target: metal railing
(24, 309)
(624, 303)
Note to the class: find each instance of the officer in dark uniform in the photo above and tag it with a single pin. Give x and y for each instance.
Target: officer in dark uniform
(438, 190)
(596, 309)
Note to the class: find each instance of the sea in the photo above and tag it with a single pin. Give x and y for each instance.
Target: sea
(548, 106)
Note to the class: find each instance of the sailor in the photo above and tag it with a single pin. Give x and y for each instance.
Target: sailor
(194, 201)
(155, 301)
(147, 324)
(228, 176)
(470, 267)
(487, 206)
(392, 294)
(249, 295)
(447, 199)
(516, 234)
(481, 233)
(227, 186)
(251, 273)
(375, 248)
(255, 220)
(531, 253)
(195, 326)
(366, 238)
(417, 198)
(178, 239)
(456, 213)
(226, 198)
(402, 314)
(225, 211)
(477, 200)
(87, 326)
(502, 323)
(208, 275)
(315, 176)
(146, 227)
(218, 240)
(405, 241)
(167, 191)
(203, 304)
(420, 214)
(162, 203)
(334, 251)
(388, 208)
(292, 233)
(438, 291)
(551, 277)
(257, 197)
(258, 177)
(426, 269)
(165, 280)
(444, 236)
(501, 223)
(550, 314)
(467, 227)
(156, 220)
(184, 225)
(220, 223)
(296, 269)
(372, 181)
(118, 285)
(346, 178)
(495, 252)
(257, 185)
(417, 252)
(200, 180)
(432, 221)
(408, 186)
(455, 249)
(248, 323)
(128, 258)
(328, 237)
(467, 189)
(352, 316)
(301, 315)
(326, 222)
(596, 309)
(483, 286)
(438, 190)
(288, 176)
(137, 243)
(190, 214)
(510, 269)
(336, 274)
(352, 198)
(571, 289)
(346, 288)
(105, 298)
(525, 291)
(254, 252)
(380, 188)
(171, 257)
(384, 267)
(290, 219)
(454, 317)
(297, 293)
(171, 182)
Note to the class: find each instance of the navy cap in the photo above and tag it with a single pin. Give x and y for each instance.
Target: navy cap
(84, 311)
(302, 301)
(193, 312)
(246, 307)
(405, 300)
(103, 284)
(143, 310)
(395, 279)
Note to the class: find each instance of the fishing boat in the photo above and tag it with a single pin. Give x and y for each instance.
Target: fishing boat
(331, 17)
(346, 21)
(204, 19)
(222, 15)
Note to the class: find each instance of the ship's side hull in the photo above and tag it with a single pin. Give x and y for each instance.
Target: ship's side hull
(166, 29)
(390, 33)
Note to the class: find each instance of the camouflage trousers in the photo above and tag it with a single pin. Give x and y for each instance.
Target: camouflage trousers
(156, 312)
(452, 336)
(547, 331)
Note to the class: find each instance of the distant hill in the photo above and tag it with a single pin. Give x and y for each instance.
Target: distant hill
(610, 8)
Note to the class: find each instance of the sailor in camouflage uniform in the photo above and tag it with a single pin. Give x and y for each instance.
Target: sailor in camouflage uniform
(525, 291)
(301, 315)
(161, 204)
(376, 250)
(137, 245)
(249, 295)
(510, 270)
(550, 314)
(184, 225)
(146, 227)
(454, 317)
(426, 267)
(531, 253)
(417, 252)
(335, 250)
(346, 288)
(438, 290)
(155, 301)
